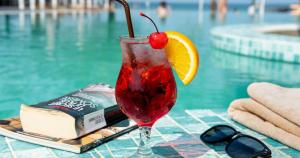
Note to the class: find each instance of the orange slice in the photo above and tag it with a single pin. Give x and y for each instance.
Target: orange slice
(183, 56)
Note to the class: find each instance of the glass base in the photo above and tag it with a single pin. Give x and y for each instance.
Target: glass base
(144, 150)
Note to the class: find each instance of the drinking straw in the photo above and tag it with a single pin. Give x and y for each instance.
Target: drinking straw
(128, 16)
(130, 30)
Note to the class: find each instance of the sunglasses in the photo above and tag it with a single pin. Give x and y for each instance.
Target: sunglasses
(239, 145)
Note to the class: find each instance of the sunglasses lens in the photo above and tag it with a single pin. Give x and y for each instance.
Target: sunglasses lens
(246, 147)
(217, 134)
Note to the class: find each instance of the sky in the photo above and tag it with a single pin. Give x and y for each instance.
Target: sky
(229, 1)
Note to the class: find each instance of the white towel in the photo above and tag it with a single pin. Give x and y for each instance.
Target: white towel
(272, 110)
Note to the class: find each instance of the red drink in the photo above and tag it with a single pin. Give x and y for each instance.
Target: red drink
(145, 95)
(146, 89)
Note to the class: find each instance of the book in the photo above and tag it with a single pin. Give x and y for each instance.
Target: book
(73, 115)
(12, 128)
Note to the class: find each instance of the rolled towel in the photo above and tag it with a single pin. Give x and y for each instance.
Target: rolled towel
(272, 110)
(283, 101)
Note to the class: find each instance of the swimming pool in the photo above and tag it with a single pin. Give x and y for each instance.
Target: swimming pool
(42, 57)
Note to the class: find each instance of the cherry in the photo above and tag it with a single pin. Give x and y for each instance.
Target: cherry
(157, 40)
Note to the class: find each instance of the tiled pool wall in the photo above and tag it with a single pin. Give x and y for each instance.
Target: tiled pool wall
(250, 40)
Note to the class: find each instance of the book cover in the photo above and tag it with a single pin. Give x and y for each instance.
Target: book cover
(79, 113)
(12, 128)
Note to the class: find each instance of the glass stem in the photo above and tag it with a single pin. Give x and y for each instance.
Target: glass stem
(144, 146)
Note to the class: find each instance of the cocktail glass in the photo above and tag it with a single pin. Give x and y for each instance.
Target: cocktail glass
(146, 89)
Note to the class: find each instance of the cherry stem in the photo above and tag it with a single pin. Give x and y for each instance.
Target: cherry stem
(142, 14)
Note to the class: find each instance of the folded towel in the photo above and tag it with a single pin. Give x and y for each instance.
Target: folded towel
(272, 110)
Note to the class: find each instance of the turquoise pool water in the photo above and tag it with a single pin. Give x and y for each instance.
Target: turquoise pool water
(42, 57)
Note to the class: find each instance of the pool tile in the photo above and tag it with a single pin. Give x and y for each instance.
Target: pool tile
(190, 148)
(155, 132)
(83, 155)
(105, 154)
(170, 130)
(292, 152)
(182, 120)
(6, 155)
(200, 113)
(184, 140)
(66, 154)
(95, 154)
(221, 123)
(171, 137)
(174, 113)
(208, 154)
(63, 154)
(20, 145)
(196, 128)
(279, 154)
(101, 147)
(121, 144)
(165, 122)
(273, 142)
(32, 153)
(156, 140)
(124, 152)
(166, 151)
(219, 111)
(3, 145)
(210, 119)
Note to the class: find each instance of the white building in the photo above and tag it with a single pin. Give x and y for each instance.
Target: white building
(52, 4)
